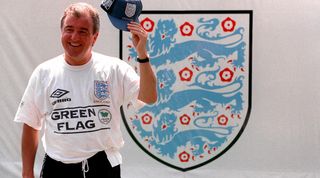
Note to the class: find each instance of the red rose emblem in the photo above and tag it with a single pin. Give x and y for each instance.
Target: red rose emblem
(228, 24)
(186, 29)
(147, 24)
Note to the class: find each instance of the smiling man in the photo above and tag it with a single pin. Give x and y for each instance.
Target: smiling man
(76, 97)
(78, 34)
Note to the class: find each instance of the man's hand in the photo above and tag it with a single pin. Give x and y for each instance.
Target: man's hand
(148, 89)
(139, 39)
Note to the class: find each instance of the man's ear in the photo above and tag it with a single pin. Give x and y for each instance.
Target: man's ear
(95, 38)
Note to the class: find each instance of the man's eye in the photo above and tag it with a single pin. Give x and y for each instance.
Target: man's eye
(68, 30)
(83, 32)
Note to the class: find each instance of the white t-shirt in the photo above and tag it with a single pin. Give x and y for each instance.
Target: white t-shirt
(79, 106)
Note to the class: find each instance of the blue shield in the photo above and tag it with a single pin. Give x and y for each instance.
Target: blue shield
(202, 61)
(101, 89)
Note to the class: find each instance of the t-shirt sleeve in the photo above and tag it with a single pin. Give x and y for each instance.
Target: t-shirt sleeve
(131, 85)
(28, 112)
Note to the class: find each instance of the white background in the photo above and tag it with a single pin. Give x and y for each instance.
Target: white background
(282, 138)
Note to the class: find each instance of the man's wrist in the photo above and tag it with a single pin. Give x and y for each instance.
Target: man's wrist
(143, 60)
(142, 54)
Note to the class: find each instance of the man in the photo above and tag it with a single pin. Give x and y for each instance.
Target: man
(75, 98)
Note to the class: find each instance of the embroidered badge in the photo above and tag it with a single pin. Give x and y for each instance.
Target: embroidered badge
(104, 116)
(101, 90)
(107, 4)
(130, 10)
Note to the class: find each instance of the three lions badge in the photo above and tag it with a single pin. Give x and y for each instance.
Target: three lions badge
(202, 62)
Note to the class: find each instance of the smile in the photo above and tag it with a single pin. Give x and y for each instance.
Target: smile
(74, 44)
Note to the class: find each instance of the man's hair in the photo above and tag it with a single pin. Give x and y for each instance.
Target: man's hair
(78, 10)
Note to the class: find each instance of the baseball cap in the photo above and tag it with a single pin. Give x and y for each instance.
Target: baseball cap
(122, 12)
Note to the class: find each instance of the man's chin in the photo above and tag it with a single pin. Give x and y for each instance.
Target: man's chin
(75, 59)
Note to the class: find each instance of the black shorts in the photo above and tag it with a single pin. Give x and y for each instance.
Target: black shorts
(97, 166)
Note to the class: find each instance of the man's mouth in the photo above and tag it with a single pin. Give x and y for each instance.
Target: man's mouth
(74, 44)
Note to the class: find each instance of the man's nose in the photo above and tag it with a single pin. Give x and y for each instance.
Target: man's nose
(75, 36)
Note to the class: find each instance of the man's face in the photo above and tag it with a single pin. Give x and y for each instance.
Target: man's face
(77, 39)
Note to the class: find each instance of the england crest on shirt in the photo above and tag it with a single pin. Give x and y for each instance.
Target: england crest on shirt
(101, 90)
(202, 61)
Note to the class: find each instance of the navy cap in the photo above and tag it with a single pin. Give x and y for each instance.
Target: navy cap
(122, 12)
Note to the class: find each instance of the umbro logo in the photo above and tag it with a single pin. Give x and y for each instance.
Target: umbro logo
(58, 93)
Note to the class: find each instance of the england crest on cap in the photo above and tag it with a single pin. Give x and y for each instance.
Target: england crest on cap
(122, 12)
(130, 10)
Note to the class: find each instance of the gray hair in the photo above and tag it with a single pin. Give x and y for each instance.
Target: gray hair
(78, 10)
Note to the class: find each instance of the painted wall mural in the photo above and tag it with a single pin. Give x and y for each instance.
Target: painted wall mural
(202, 61)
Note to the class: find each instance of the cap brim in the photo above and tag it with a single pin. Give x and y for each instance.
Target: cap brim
(119, 23)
